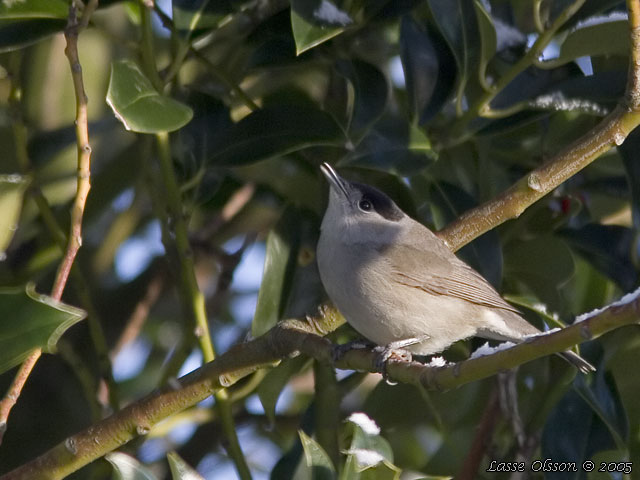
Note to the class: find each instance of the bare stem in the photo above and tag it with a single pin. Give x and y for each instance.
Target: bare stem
(71, 33)
(193, 298)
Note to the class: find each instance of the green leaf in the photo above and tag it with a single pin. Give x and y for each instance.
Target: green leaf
(12, 188)
(607, 38)
(429, 69)
(455, 19)
(22, 9)
(588, 419)
(273, 132)
(139, 106)
(189, 15)
(604, 399)
(609, 248)
(180, 470)
(370, 455)
(313, 25)
(288, 177)
(29, 321)
(544, 263)
(534, 305)
(280, 260)
(275, 380)
(370, 92)
(125, 467)
(632, 167)
(489, 41)
(15, 34)
(314, 454)
(392, 145)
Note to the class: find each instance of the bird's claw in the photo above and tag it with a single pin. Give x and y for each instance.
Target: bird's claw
(386, 353)
(339, 351)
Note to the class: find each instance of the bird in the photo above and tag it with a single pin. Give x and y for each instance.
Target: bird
(399, 285)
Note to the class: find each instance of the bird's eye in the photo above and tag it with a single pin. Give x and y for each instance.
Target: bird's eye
(365, 205)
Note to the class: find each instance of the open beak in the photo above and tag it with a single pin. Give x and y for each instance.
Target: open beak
(335, 181)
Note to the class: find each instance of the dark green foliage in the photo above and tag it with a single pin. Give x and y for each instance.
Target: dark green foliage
(257, 94)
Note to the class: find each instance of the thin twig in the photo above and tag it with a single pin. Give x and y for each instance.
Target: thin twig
(140, 313)
(71, 33)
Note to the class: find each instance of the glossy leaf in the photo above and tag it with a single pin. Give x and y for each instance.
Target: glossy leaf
(457, 23)
(393, 147)
(33, 9)
(370, 92)
(369, 454)
(314, 22)
(126, 467)
(429, 77)
(139, 106)
(588, 41)
(314, 454)
(30, 321)
(604, 399)
(529, 262)
(588, 419)
(180, 470)
(609, 248)
(12, 188)
(274, 132)
(20, 33)
(275, 380)
(629, 153)
(489, 41)
(280, 260)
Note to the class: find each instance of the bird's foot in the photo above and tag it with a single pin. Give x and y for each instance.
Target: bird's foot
(339, 351)
(396, 351)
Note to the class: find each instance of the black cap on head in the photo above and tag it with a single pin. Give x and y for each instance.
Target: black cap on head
(382, 204)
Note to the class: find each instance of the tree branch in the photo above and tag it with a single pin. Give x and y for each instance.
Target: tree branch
(610, 132)
(290, 338)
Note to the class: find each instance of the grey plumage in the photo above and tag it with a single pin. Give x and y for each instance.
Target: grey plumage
(394, 280)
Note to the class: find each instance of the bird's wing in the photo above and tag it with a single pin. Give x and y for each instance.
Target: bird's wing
(440, 272)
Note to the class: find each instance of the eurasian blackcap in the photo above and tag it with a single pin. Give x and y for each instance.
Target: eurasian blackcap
(399, 285)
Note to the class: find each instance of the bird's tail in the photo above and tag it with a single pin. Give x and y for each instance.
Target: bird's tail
(577, 361)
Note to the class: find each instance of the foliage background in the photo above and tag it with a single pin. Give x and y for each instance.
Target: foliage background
(394, 94)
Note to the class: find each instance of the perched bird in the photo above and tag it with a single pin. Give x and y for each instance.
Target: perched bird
(399, 285)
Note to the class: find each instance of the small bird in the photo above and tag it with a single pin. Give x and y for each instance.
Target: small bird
(399, 285)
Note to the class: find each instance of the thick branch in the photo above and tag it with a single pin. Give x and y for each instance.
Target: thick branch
(280, 342)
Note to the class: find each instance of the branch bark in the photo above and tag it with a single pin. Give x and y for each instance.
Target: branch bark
(291, 338)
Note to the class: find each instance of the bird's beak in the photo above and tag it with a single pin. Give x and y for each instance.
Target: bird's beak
(335, 181)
